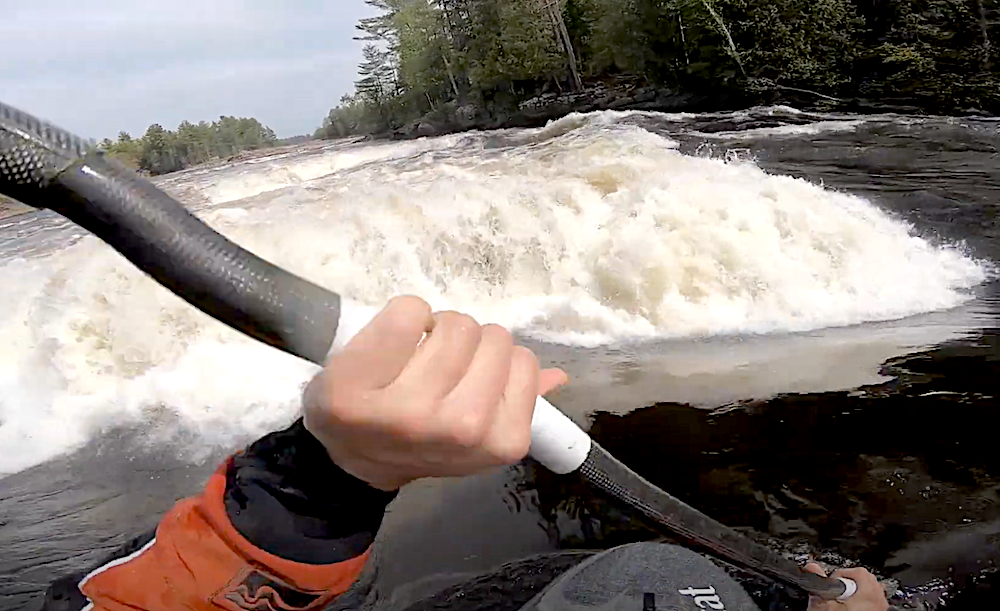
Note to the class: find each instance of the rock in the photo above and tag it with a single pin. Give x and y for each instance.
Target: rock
(605, 101)
(621, 103)
(466, 114)
(663, 96)
(647, 94)
(501, 111)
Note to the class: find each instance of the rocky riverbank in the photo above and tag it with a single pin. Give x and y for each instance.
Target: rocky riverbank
(536, 112)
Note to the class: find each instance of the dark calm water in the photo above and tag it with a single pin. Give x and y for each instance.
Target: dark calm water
(877, 444)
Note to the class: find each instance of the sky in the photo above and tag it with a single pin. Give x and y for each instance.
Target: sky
(98, 68)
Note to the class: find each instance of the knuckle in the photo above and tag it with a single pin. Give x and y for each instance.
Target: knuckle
(407, 314)
(497, 335)
(525, 358)
(350, 408)
(456, 321)
(468, 431)
(524, 371)
(461, 330)
(329, 405)
(347, 416)
(314, 392)
(411, 428)
(512, 448)
(409, 304)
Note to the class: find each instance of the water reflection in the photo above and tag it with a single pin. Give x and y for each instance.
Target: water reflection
(902, 476)
(722, 370)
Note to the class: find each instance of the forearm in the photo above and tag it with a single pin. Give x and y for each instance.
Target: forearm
(278, 520)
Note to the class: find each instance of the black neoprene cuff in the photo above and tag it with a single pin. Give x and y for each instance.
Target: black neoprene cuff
(288, 498)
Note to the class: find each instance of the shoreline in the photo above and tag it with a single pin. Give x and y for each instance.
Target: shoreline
(536, 112)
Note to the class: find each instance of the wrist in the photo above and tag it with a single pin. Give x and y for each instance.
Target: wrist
(374, 476)
(287, 496)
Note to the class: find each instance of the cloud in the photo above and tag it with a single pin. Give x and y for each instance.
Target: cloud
(98, 70)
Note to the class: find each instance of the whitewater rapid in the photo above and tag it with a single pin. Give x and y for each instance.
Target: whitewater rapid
(590, 231)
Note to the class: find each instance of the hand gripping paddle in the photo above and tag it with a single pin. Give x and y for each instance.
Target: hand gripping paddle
(46, 167)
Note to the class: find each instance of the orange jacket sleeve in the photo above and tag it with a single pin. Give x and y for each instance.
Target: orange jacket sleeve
(316, 539)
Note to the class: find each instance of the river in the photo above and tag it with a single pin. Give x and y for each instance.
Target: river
(789, 320)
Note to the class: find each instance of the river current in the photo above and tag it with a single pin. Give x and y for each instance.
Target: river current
(787, 319)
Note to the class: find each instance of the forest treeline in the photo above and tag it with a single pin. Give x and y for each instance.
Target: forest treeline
(448, 60)
(160, 150)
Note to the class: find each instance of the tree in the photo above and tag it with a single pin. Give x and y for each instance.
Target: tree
(509, 42)
(805, 43)
(427, 59)
(553, 10)
(984, 28)
(194, 142)
(934, 51)
(126, 150)
(160, 151)
(380, 28)
(376, 84)
(679, 42)
(426, 62)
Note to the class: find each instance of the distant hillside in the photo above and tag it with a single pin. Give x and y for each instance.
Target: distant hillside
(293, 140)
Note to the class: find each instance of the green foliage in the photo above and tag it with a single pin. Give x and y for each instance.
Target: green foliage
(804, 43)
(675, 41)
(510, 42)
(424, 50)
(428, 58)
(125, 149)
(160, 151)
(938, 50)
(347, 119)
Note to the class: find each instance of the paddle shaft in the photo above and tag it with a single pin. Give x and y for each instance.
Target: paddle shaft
(45, 167)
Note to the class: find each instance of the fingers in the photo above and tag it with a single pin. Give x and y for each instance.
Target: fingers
(472, 405)
(509, 439)
(870, 595)
(379, 352)
(858, 575)
(867, 582)
(550, 380)
(442, 360)
(417, 395)
(815, 569)
(815, 603)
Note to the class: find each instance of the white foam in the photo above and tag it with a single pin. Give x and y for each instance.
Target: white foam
(253, 177)
(782, 109)
(602, 232)
(91, 343)
(808, 129)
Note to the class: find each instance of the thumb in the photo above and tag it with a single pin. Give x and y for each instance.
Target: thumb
(815, 569)
(551, 379)
(815, 603)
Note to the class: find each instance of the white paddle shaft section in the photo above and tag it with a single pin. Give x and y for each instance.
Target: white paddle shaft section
(850, 588)
(556, 441)
(353, 318)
